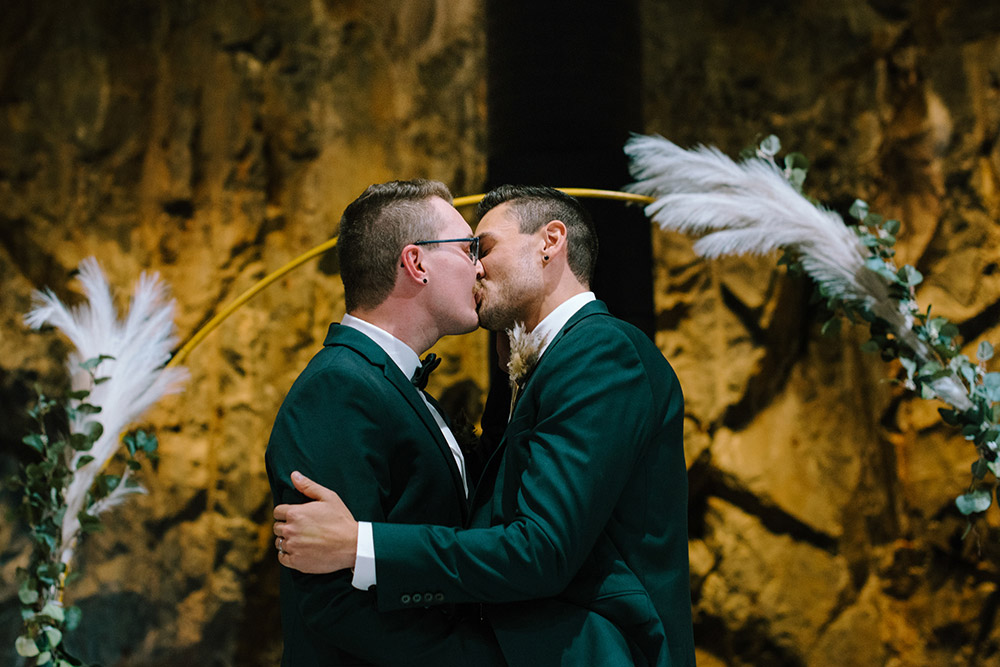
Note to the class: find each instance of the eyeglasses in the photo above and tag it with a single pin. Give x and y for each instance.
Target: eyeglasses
(473, 242)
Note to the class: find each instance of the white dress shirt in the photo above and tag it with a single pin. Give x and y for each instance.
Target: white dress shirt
(407, 361)
(547, 328)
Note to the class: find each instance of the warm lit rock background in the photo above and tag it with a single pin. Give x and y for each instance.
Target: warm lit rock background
(214, 141)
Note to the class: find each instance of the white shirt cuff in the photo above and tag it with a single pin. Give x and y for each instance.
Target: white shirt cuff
(364, 561)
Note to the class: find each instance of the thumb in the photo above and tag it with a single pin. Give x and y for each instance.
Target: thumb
(309, 488)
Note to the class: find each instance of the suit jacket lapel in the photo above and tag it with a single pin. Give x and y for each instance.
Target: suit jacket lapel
(487, 481)
(375, 355)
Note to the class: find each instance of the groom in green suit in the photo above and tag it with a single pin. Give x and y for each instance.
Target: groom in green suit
(354, 420)
(577, 542)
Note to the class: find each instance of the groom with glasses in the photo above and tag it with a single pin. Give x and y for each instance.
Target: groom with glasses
(357, 419)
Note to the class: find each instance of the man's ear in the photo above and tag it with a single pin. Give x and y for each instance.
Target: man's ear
(411, 261)
(554, 237)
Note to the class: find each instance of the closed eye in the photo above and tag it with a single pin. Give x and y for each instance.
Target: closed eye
(485, 245)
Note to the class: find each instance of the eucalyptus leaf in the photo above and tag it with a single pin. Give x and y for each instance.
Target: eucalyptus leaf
(94, 429)
(94, 362)
(81, 442)
(26, 594)
(873, 220)
(930, 369)
(770, 146)
(26, 646)
(54, 611)
(796, 160)
(974, 501)
(797, 177)
(73, 616)
(88, 522)
(108, 483)
(35, 441)
(831, 327)
(147, 442)
(54, 636)
(991, 383)
(980, 468)
(949, 416)
(859, 209)
(876, 264)
(967, 371)
(90, 364)
(984, 352)
(909, 275)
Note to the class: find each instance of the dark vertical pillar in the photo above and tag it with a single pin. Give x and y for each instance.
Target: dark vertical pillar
(564, 91)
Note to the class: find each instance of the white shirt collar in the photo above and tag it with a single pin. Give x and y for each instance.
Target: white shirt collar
(401, 354)
(558, 318)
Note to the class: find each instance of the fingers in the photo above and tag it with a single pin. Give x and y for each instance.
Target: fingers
(285, 558)
(309, 488)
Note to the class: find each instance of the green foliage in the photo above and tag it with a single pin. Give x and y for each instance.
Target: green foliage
(928, 353)
(42, 485)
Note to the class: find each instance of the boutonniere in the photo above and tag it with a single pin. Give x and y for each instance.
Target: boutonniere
(525, 348)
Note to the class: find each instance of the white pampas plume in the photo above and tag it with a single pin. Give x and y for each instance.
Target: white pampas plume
(751, 208)
(138, 347)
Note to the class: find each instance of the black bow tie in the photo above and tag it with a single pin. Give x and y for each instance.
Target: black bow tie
(423, 372)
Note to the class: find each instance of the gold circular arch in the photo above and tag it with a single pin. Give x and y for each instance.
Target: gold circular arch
(467, 200)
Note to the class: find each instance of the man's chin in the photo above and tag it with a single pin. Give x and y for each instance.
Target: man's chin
(490, 324)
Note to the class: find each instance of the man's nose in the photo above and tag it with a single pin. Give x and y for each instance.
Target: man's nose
(480, 271)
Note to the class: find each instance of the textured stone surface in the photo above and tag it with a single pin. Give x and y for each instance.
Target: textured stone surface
(212, 142)
(215, 141)
(807, 460)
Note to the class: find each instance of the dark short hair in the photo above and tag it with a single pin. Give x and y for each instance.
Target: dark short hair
(374, 230)
(535, 205)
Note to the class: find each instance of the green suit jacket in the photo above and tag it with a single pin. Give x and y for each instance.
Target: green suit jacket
(354, 423)
(582, 510)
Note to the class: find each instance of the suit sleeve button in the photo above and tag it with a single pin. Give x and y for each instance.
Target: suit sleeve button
(439, 597)
(405, 599)
(417, 598)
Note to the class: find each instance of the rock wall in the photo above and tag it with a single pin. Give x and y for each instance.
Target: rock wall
(215, 141)
(823, 525)
(211, 142)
